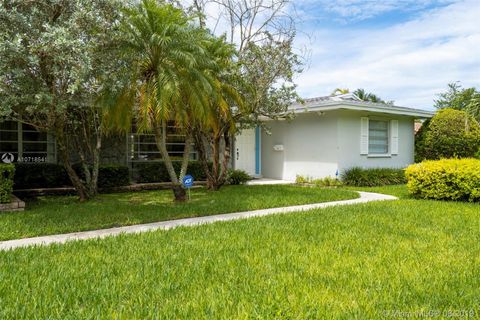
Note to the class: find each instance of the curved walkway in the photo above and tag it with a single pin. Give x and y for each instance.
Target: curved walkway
(165, 225)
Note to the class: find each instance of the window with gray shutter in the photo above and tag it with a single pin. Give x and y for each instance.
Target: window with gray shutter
(378, 138)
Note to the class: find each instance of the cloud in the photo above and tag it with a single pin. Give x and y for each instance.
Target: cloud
(402, 50)
(358, 10)
(408, 62)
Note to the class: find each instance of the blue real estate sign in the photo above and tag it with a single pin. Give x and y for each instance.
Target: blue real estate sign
(187, 181)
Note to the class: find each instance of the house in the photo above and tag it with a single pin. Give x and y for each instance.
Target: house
(327, 136)
(21, 142)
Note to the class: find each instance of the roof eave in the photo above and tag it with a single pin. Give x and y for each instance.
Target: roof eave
(379, 108)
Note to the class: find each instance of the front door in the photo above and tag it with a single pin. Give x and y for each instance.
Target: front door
(245, 151)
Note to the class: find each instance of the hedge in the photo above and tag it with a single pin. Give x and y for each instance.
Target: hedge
(50, 175)
(7, 172)
(110, 176)
(40, 175)
(360, 177)
(157, 172)
(446, 179)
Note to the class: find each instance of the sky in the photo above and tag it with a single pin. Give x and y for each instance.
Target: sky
(401, 50)
(404, 50)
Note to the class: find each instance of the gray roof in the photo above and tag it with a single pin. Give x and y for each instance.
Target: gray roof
(350, 101)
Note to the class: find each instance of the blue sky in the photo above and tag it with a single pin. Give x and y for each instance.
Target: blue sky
(403, 50)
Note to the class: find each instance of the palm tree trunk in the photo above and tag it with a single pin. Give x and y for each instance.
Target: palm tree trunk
(202, 145)
(161, 141)
(227, 153)
(186, 155)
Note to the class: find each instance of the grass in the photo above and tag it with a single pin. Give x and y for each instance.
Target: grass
(52, 215)
(399, 190)
(363, 261)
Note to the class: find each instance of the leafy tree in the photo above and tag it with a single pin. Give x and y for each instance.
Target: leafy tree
(450, 133)
(55, 59)
(262, 32)
(459, 98)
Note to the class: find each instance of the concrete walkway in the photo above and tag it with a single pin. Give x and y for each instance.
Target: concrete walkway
(165, 225)
(266, 181)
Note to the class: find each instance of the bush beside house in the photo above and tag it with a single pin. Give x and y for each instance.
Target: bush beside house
(112, 175)
(50, 175)
(40, 175)
(236, 177)
(370, 177)
(109, 175)
(7, 172)
(446, 179)
(324, 182)
(450, 133)
(148, 172)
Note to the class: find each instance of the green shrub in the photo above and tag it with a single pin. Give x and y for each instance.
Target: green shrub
(157, 172)
(109, 175)
(324, 182)
(237, 177)
(7, 172)
(302, 180)
(446, 179)
(151, 172)
(371, 177)
(51, 175)
(327, 182)
(450, 133)
(112, 175)
(40, 175)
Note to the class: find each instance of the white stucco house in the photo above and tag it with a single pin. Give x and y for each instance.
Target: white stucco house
(328, 135)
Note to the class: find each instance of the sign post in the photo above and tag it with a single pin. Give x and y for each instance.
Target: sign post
(187, 182)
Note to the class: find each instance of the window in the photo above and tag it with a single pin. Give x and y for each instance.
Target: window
(142, 146)
(20, 142)
(378, 137)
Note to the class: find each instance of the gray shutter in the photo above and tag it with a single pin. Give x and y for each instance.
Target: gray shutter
(364, 135)
(394, 136)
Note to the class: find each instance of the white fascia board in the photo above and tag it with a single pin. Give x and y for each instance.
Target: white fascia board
(379, 108)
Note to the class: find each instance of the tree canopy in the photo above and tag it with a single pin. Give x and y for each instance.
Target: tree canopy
(78, 68)
(362, 95)
(450, 133)
(56, 58)
(459, 98)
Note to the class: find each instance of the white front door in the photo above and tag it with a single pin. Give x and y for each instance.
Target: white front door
(245, 151)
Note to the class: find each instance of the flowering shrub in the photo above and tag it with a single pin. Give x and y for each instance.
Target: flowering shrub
(446, 179)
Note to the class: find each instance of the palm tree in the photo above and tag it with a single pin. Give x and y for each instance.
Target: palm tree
(213, 135)
(338, 91)
(169, 80)
(365, 96)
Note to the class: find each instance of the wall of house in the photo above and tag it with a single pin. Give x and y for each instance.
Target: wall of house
(349, 141)
(309, 147)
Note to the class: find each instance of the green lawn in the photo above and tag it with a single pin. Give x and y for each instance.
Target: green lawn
(399, 191)
(362, 261)
(51, 215)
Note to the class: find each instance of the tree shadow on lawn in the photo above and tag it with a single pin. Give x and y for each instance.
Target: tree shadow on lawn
(63, 214)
